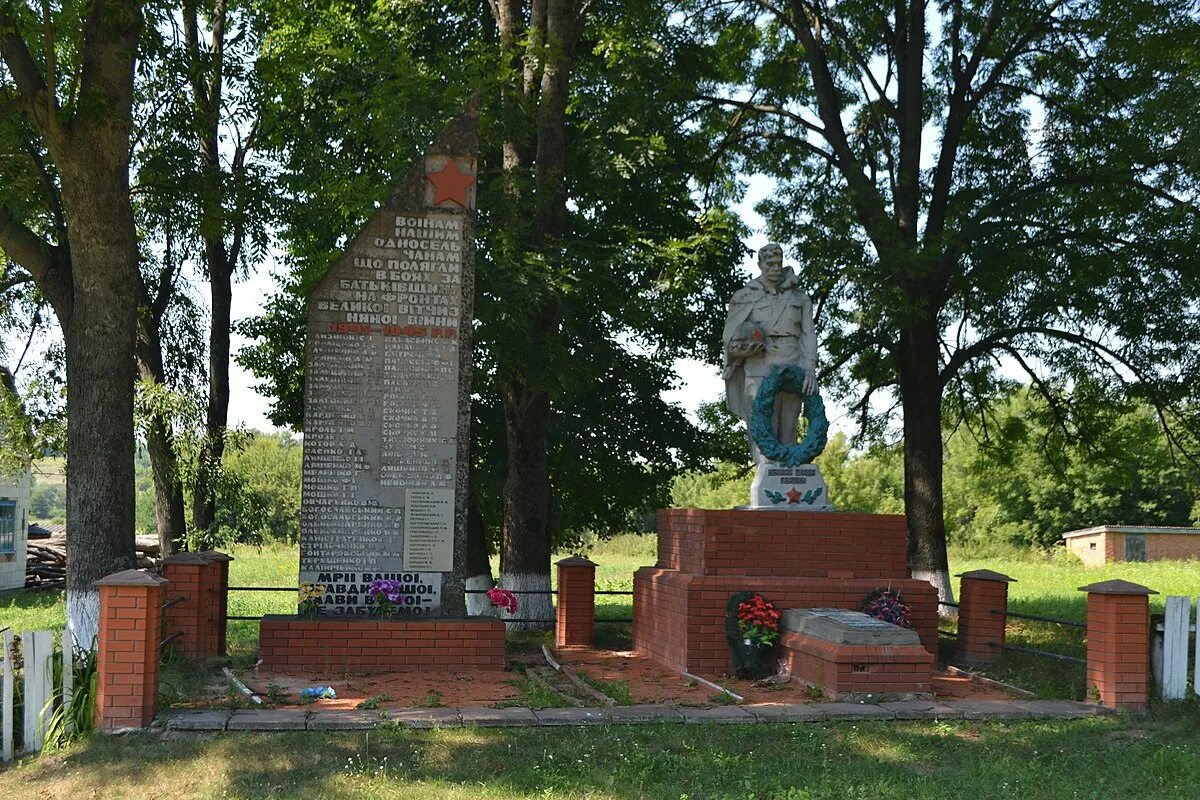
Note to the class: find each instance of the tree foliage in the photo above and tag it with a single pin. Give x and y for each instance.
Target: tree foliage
(969, 184)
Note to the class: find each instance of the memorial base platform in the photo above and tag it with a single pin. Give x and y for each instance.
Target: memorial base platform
(794, 559)
(289, 643)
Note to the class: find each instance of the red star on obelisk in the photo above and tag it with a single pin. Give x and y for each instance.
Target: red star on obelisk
(793, 495)
(450, 184)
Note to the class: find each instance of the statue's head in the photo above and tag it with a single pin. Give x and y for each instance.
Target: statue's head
(770, 261)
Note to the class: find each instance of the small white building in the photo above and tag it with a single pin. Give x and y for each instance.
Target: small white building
(1110, 544)
(14, 527)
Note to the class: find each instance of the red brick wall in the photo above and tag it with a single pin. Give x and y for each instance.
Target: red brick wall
(790, 544)
(290, 643)
(197, 590)
(856, 669)
(679, 618)
(1178, 546)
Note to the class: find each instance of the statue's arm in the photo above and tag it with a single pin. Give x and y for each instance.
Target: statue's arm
(808, 339)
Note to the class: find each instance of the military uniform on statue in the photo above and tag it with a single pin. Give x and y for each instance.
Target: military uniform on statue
(687, 608)
(770, 379)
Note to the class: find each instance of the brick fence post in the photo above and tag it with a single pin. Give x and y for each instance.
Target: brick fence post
(189, 612)
(219, 581)
(576, 625)
(981, 630)
(1118, 643)
(127, 649)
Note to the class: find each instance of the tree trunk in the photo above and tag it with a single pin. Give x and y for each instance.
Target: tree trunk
(525, 560)
(479, 566)
(921, 397)
(220, 276)
(160, 444)
(100, 375)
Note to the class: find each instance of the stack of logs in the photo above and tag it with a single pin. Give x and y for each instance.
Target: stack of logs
(46, 561)
(45, 567)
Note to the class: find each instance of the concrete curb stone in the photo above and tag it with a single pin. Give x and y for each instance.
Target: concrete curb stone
(424, 718)
(198, 720)
(788, 712)
(572, 716)
(347, 719)
(849, 711)
(267, 720)
(720, 714)
(645, 714)
(497, 717)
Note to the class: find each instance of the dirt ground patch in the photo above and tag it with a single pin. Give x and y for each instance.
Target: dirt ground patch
(623, 675)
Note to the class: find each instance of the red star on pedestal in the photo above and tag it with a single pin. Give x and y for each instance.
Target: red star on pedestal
(793, 495)
(450, 184)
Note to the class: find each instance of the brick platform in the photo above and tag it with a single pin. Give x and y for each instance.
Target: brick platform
(791, 544)
(850, 671)
(290, 643)
(795, 559)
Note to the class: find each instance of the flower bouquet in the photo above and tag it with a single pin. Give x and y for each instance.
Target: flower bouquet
(758, 626)
(386, 594)
(311, 596)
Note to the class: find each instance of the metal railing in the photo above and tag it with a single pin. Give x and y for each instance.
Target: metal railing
(1033, 651)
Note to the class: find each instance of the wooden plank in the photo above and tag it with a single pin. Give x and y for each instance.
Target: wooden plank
(6, 700)
(39, 686)
(1196, 665)
(68, 676)
(1175, 647)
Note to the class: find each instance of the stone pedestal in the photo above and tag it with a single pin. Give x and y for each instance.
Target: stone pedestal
(332, 646)
(794, 559)
(789, 488)
(851, 655)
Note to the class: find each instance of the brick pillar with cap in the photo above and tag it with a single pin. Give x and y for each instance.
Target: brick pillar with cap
(576, 625)
(189, 611)
(981, 594)
(220, 600)
(1118, 643)
(127, 649)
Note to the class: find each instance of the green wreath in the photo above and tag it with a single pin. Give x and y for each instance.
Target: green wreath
(787, 378)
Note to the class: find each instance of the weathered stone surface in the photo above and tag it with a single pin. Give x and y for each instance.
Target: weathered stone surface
(572, 716)
(259, 719)
(497, 717)
(787, 712)
(921, 709)
(644, 714)
(198, 720)
(387, 394)
(839, 711)
(339, 719)
(425, 718)
(1060, 709)
(840, 626)
(989, 709)
(718, 714)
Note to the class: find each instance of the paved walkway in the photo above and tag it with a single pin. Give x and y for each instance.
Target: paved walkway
(334, 720)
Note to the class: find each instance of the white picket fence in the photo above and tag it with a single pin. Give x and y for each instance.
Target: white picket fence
(1171, 662)
(37, 674)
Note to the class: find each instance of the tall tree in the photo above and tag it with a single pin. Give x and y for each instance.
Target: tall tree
(596, 266)
(204, 204)
(68, 87)
(975, 183)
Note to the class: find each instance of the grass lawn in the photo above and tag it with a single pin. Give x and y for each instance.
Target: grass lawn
(1046, 585)
(1149, 757)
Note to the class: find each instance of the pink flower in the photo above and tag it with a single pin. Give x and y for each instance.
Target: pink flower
(502, 598)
